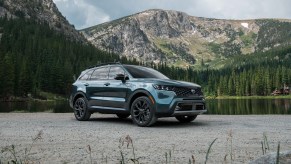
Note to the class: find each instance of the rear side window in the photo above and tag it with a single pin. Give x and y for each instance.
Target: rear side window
(86, 76)
(100, 74)
(114, 71)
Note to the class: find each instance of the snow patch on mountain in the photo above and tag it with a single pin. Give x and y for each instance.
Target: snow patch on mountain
(246, 25)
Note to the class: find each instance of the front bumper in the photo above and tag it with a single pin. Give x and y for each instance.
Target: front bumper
(187, 106)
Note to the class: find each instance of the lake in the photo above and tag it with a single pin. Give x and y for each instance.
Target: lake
(214, 106)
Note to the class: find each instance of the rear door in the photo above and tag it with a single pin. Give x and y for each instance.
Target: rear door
(95, 87)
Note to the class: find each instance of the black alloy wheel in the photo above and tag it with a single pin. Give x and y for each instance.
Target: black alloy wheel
(142, 112)
(80, 109)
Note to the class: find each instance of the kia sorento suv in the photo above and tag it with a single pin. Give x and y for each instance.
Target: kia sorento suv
(140, 92)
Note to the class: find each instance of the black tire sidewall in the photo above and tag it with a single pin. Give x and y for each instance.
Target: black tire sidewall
(152, 118)
(86, 114)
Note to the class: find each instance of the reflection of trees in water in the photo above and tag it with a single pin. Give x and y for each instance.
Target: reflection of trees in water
(36, 106)
(283, 104)
(249, 106)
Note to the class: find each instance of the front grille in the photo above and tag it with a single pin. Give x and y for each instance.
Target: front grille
(189, 107)
(185, 92)
(199, 107)
(184, 107)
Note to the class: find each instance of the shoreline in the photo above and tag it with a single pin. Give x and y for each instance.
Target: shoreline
(27, 99)
(249, 97)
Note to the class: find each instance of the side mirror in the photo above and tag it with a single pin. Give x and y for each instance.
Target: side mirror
(121, 77)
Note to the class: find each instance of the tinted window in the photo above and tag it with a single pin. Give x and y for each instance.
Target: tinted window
(114, 71)
(144, 72)
(86, 76)
(100, 73)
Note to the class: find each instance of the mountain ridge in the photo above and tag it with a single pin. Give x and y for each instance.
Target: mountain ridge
(180, 39)
(42, 11)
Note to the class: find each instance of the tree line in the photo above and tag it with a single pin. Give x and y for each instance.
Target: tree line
(35, 58)
(244, 75)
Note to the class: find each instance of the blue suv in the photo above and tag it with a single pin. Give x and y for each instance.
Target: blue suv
(141, 92)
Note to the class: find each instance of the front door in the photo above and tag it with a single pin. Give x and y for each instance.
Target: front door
(115, 90)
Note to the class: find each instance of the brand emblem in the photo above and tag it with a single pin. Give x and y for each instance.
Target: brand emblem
(193, 91)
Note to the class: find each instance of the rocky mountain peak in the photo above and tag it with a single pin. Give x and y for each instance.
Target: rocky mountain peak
(180, 39)
(43, 11)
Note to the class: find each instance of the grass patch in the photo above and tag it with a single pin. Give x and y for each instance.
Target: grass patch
(15, 157)
(10, 154)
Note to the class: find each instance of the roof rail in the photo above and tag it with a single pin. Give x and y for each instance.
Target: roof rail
(103, 64)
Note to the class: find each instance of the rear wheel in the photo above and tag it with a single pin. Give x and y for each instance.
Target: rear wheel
(122, 116)
(186, 119)
(81, 111)
(142, 112)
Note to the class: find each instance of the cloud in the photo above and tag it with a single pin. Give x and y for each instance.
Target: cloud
(85, 13)
(81, 13)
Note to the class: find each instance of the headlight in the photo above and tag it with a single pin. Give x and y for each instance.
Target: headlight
(163, 87)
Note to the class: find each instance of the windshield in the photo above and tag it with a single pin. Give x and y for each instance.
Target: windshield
(144, 72)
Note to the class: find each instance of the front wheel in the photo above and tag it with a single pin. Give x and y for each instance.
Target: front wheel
(186, 119)
(143, 112)
(81, 111)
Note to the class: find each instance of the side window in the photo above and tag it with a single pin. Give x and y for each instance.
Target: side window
(86, 76)
(100, 73)
(114, 71)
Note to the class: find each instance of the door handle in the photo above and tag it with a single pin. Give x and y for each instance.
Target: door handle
(107, 84)
(86, 84)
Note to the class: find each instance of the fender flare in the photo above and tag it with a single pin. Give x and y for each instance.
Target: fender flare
(132, 97)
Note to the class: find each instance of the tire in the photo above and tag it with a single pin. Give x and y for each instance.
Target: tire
(122, 116)
(81, 111)
(143, 112)
(186, 119)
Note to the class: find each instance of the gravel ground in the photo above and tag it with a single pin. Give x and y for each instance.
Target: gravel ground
(65, 140)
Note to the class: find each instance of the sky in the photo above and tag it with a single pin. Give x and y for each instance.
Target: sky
(87, 13)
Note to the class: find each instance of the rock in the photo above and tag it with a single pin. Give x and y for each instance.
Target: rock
(284, 158)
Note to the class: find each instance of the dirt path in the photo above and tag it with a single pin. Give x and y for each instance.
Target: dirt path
(66, 140)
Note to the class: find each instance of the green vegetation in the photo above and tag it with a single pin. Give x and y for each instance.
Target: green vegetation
(208, 151)
(246, 75)
(272, 32)
(1, 2)
(247, 39)
(34, 58)
(214, 47)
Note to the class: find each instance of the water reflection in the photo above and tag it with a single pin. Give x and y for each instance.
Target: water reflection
(36, 106)
(249, 106)
(221, 106)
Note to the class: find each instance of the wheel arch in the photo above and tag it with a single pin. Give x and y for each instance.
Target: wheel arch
(78, 95)
(139, 93)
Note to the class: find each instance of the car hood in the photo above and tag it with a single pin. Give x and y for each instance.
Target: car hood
(168, 82)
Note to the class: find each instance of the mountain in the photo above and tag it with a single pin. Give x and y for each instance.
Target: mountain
(42, 11)
(180, 39)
